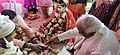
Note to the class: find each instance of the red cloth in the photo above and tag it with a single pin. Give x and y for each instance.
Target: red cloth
(70, 24)
(53, 14)
(77, 9)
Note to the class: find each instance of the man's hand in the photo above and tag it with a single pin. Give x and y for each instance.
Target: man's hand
(35, 47)
(53, 39)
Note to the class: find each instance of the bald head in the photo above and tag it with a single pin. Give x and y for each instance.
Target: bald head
(88, 24)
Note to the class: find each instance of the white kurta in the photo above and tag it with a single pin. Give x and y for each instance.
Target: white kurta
(103, 42)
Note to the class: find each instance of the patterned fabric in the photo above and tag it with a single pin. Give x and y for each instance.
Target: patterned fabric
(69, 17)
(108, 11)
(95, 45)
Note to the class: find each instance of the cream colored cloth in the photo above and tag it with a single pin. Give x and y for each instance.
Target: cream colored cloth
(7, 52)
(12, 50)
(103, 42)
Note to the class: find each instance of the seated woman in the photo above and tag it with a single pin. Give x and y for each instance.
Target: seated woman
(61, 20)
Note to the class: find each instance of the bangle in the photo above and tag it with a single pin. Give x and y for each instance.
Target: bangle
(32, 39)
(28, 45)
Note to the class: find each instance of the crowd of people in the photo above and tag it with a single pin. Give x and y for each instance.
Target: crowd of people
(95, 33)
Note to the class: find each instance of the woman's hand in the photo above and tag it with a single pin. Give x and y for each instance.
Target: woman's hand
(38, 48)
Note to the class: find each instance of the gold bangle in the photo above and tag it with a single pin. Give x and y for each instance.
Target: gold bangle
(28, 45)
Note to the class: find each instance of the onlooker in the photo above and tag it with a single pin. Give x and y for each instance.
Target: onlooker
(77, 7)
(45, 5)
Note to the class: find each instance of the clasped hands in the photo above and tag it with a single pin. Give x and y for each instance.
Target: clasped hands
(39, 46)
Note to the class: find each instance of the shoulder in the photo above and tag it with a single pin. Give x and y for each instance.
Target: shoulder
(109, 43)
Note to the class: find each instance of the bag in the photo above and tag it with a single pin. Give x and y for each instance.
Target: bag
(12, 5)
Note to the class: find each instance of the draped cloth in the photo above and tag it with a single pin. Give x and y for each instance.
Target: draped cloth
(108, 11)
(77, 9)
(12, 50)
(70, 24)
(7, 52)
(104, 42)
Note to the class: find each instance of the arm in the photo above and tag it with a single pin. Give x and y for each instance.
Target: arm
(29, 32)
(78, 42)
(66, 35)
(69, 34)
(35, 47)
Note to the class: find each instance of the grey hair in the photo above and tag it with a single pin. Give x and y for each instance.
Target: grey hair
(89, 23)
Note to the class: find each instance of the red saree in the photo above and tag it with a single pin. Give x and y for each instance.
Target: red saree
(77, 9)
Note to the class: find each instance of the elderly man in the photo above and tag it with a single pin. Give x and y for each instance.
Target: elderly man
(99, 40)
